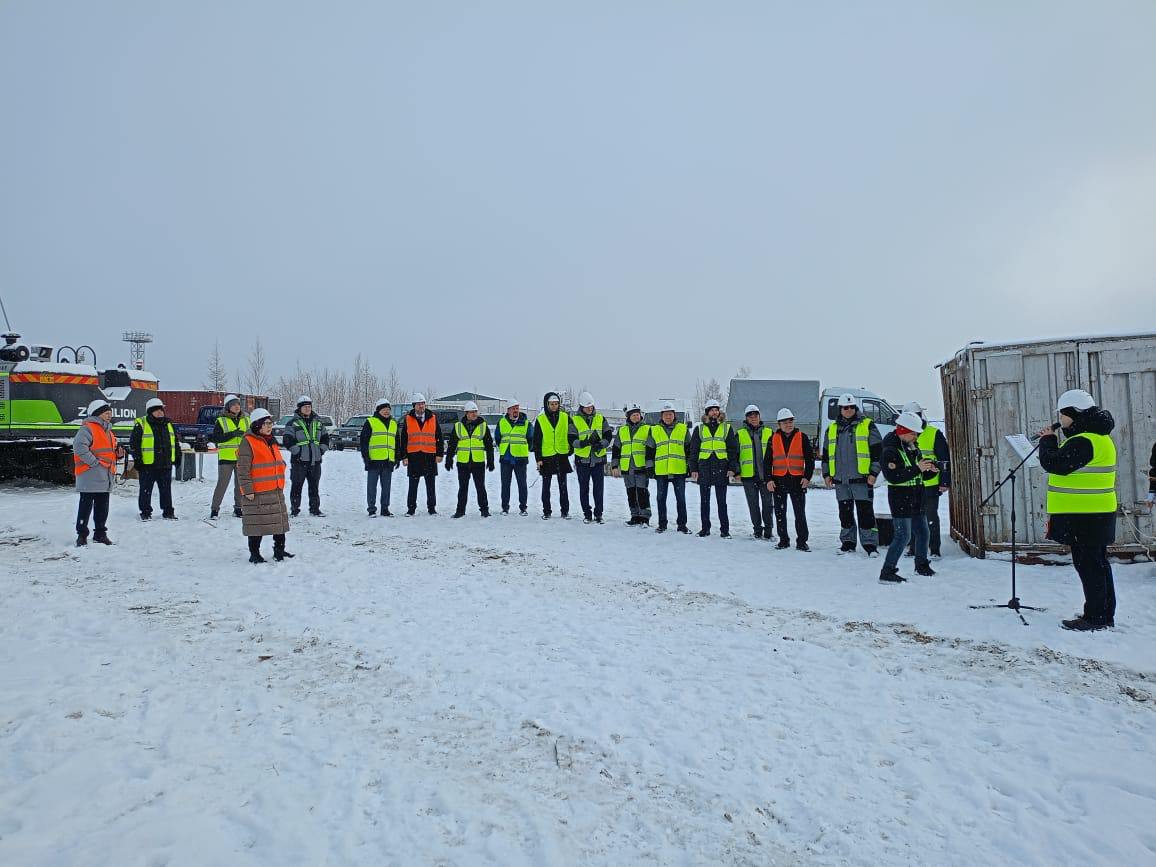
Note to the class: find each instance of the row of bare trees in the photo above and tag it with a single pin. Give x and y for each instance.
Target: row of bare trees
(711, 389)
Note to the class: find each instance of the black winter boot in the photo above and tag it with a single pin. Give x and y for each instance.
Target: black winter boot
(102, 537)
(890, 575)
(255, 550)
(922, 567)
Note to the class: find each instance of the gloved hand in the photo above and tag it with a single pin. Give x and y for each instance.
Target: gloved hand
(449, 464)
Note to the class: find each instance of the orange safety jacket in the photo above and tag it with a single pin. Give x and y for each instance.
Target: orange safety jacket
(787, 461)
(103, 448)
(419, 438)
(268, 469)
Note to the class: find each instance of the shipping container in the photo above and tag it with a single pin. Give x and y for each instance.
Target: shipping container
(182, 406)
(991, 392)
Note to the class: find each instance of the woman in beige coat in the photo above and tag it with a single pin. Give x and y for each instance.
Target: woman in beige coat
(261, 478)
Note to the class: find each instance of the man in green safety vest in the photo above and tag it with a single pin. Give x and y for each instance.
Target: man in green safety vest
(513, 441)
(379, 447)
(307, 441)
(154, 446)
(1082, 501)
(714, 461)
(589, 438)
(754, 439)
(667, 452)
(472, 446)
(933, 447)
(629, 462)
(228, 429)
(552, 451)
(850, 462)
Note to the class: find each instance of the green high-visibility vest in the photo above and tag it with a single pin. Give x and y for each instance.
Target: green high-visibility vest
(747, 449)
(862, 446)
(1090, 490)
(515, 437)
(382, 439)
(311, 428)
(555, 439)
(471, 446)
(927, 452)
(633, 447)
(147, 442)
(669, 450)
(910, 483)
(713, 445)
(582, 426)
(227, 450)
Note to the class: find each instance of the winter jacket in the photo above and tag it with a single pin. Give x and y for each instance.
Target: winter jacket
(762, 461)
(97, 479)
(1094, 530)
(420, 463)
(162, 445)
(808, 456)
(943, 458)
(652, 449)
(300, 449)
(597, 440)
(555, 465)
(363, 446)
(508, 457)
(616, 447)
(471, 427)
(846, 454)
(265, 514)
(905, 501)
(714, 469)
(220, 436)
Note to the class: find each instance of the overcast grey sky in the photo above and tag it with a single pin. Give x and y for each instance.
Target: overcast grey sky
(627, 195)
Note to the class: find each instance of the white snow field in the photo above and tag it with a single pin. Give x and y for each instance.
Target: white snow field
(513, 691)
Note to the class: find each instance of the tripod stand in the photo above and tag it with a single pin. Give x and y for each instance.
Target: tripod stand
(1014, 602)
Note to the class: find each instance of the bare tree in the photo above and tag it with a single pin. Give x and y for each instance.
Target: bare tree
(392, 387)
(216, 377)
(365, 387)
(256, 376)
(708, 390)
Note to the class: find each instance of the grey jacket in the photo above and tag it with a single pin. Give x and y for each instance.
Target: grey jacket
(300, 448)
(97, 479)
(596, 439)
(846, 453)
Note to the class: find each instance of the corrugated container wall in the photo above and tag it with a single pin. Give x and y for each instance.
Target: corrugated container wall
(182, 406)
(990, 392)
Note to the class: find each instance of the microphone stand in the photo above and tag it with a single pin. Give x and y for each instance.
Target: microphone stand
(1013, 603)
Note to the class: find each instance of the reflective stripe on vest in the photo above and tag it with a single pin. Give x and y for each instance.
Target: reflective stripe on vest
(633, 447)
(927, 452)
(713, 445)
(862, 447)
(787, 460)
(581, 425)
(555, 439)
(419, 440)
(148, 443)
(103, 449)
(471, 446)
(515, 437)
(267, 472)
(382, 439)
(227, 450)
(747, 450)
(309, 427)
(669, 450)
(910, 483)
(1090, 490)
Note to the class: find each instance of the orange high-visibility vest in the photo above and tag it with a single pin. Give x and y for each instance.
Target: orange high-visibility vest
(103, 448)
(787, 460)
(268, 469)
(419, 438)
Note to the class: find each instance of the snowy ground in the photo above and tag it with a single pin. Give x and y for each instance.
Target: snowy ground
(513, 691)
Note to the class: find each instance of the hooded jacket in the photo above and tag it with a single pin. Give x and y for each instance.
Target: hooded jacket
(713, 470)
(162, 445)
(555, 464)
(905, 501)
(1094, 530)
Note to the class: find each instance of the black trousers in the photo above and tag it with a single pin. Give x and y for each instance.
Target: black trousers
(590, 475)
(162, 477)
(255, 543)
(720, 494)
(509, 472)
(761, 504)
(476, 471)
(431, 493)
(300, 473)
(791, 490)
(638, 499)
(864, 511)
(563, 494)
(95, 505)
(931, 510)
(1091, 562)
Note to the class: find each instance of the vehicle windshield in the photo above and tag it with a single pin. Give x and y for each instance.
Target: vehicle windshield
(285, 419)
(356, 421)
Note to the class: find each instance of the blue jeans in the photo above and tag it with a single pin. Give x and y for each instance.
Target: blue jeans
(588, 473)
(679, 485)
(903, 530)
(377, 476)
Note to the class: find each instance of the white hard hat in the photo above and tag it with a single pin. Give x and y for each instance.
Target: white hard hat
(304, 399)
(784, 414)
(382, 401)
(470, 406)
(259, 415)
(154, 403)
(848, 399)
(751, 408)
(231, 398)
(910, 420)
(514, 402)
(97, 407)
(667, 406)
(585, 399)
(913, 406)
(712, 404)
(634, 407)
(418, 397)
(1075, 398)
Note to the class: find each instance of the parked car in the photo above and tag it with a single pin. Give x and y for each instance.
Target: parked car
(327, 424)
(348, 435)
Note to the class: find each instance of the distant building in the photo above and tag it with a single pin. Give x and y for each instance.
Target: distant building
(487, 406)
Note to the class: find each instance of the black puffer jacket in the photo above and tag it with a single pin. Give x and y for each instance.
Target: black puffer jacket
(1094, 530)
(906, 501)
(554, 465)
(713, 470)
